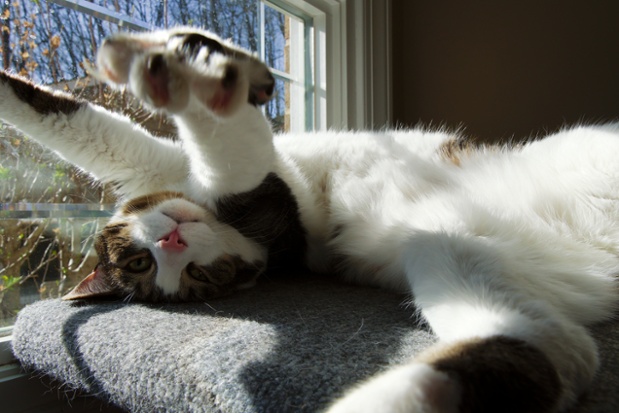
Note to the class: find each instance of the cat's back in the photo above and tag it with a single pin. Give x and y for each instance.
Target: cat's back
(572, 158)
(357, 152)
(416, 164)
(575, 161)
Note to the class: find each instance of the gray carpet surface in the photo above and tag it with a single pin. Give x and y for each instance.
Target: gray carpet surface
(287, 345)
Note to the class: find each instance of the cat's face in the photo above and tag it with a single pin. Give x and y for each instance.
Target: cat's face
(163, 247)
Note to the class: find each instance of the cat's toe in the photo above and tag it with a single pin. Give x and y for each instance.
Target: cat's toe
(114, 59)
(223, 92)
(413, 388)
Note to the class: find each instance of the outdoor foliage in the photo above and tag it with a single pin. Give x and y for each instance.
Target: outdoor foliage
(52, 43)
(55, 46)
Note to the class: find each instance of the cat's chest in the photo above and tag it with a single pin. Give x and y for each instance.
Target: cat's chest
(367, 207)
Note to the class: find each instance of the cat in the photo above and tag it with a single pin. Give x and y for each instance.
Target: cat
(508, 252)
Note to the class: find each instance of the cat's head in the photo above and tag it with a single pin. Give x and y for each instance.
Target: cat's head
(163, 247)
(184, 67)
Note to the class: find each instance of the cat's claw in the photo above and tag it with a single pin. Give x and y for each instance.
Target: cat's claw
(113, 62)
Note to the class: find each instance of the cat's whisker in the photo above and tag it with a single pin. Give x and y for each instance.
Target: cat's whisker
(129, 297)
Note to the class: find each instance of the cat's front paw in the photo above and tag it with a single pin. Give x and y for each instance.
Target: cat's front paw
(185, 68)
(412, 388)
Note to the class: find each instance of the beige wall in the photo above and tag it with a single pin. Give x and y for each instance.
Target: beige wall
(505, 68)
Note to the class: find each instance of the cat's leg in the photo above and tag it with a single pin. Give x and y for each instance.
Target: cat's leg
(212, 90)
(105, 144)
(499, 350)
(495, 374)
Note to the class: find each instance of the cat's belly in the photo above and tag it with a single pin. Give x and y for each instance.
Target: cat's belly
(364, 211)
(372, 219)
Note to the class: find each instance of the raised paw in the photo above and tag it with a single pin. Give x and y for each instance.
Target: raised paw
(494, 374)
(179, 69)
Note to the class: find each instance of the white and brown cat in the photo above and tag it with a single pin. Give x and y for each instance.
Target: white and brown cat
(509, 253)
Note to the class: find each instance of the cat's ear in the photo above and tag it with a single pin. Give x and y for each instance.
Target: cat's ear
(96, 284)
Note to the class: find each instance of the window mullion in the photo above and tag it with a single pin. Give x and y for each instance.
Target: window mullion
(261, 31)
(103, 13)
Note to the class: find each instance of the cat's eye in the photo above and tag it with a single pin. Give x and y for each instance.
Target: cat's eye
(139, 264)
(197, 273)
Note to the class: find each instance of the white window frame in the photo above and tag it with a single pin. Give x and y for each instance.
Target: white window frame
(300, 77)
(351, 42)
(353, 88)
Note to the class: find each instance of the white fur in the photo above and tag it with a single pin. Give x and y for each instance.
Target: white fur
(227, 157)
(105, 144)
(521, 242)
(413, 388)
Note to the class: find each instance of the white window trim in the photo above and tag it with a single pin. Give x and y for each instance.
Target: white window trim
(354, 37)
(102, 13)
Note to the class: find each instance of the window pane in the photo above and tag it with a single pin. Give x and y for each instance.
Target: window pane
(45, 250)
(285, 52)
(275, 54)
(276, 26)
(52, 43)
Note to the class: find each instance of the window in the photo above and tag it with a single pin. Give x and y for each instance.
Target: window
(49, 212)
(330, 57)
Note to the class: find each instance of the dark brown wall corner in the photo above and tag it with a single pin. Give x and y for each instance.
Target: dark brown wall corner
(505, 69)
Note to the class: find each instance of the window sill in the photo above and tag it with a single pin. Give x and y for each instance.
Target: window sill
(10, 369)
(23, 392)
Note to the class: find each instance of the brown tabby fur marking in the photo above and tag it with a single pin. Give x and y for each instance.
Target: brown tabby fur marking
(498, 374)
(40, 100)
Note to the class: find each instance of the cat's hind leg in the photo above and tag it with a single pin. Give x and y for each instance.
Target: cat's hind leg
(496, 373)
(500, 348)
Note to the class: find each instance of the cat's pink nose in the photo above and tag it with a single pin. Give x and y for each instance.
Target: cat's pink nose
(172, 242)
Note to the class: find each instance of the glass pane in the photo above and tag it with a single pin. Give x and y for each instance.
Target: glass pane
(45, 250)
(277, 39)
(284, 51)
